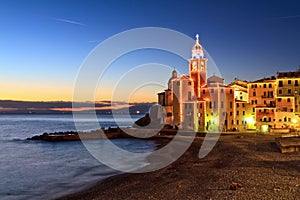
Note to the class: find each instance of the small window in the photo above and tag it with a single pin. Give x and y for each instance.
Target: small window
(289, 91)
(254, 94)
(280, 91)
(243, 112)
(237, 112)
(288, 100)
(296, 82)
(237, 105)
(270, 85)
(265, 85)
(289, 82)
(280, 84)
(203, 91)
(279, 99)
(212, 91)
(230, 91)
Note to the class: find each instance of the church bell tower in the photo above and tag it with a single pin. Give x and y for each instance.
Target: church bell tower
(198, 64)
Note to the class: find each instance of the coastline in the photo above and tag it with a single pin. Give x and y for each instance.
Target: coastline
(251, 160)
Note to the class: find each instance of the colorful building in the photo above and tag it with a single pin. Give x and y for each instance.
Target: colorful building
(195, 102)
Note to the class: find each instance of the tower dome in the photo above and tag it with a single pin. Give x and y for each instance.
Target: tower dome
(197, 51)
(174, 76)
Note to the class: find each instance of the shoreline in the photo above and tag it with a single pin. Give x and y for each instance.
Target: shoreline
(251, 160)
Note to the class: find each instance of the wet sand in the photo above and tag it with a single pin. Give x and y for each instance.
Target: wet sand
(251, 160)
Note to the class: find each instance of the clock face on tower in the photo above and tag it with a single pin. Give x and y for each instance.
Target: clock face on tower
(194, 66)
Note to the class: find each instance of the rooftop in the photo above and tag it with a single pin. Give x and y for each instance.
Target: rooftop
(288, 74)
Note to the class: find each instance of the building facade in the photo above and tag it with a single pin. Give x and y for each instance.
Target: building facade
(195, 102)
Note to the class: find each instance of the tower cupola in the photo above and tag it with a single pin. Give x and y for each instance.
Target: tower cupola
(197, 51)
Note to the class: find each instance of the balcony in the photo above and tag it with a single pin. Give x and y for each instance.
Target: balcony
(267, 96)
(271, 104)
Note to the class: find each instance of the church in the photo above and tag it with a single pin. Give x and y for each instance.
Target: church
(197, 103)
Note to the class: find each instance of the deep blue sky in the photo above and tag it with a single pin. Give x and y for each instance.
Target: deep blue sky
(41, 49)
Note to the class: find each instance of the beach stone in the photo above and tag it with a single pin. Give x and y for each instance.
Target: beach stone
(235, 186)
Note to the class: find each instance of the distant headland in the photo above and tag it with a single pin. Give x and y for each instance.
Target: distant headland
(65, 107)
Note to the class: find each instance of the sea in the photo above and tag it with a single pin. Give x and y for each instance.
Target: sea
(47, 170)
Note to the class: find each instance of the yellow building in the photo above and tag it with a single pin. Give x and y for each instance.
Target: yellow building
(287, 100)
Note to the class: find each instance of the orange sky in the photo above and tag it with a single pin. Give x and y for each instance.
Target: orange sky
(54, 92)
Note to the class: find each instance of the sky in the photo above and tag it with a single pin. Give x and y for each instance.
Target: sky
(44, 43)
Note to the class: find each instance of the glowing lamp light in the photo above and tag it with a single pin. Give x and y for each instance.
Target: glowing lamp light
(294, 121)
(250, 120)
(214, 120)
(264, 128)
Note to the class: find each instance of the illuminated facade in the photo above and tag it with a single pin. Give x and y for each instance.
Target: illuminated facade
(195, 102)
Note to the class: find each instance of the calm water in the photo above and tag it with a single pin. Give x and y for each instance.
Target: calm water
(45, 170)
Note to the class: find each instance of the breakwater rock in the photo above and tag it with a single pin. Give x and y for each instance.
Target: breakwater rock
(110, 133)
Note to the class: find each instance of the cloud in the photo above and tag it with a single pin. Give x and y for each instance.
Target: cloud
(69, 21)
(287, 17)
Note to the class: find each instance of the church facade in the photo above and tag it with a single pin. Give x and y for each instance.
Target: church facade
(195, 102)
